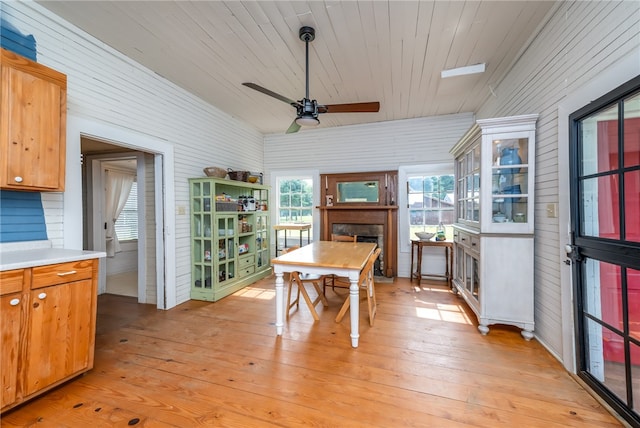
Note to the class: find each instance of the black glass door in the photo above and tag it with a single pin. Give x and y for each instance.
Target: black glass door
(605, 217)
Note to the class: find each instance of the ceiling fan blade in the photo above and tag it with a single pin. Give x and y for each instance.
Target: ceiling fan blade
(371, 107)
(294, 127)
(271, 94)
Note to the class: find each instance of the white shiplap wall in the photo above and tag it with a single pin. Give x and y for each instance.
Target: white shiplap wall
(580, 41)
(372, 147)
(106, 87)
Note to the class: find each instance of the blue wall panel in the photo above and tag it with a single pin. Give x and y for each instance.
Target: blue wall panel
(21, 217)
(13, 40)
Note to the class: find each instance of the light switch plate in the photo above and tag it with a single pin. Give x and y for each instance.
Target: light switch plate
(552, 210)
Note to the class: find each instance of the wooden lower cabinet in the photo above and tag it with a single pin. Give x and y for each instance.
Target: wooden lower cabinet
(48, 328)
(12, 303)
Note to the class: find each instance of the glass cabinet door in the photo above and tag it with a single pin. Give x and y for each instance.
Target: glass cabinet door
(468, 185)
(509, 180)
(262, 240)
(225, 251)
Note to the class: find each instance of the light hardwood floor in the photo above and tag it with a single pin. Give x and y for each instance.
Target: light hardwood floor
(423, 364)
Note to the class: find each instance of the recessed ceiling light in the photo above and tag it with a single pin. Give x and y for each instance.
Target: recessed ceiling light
(461, 71)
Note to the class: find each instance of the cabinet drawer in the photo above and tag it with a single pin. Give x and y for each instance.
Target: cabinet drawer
(61, 273)
(246, 271)
(463, 238)
(246, 261)
(11, 281)
(474, 242)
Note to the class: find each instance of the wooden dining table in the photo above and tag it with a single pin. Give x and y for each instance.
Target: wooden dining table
(324, 258)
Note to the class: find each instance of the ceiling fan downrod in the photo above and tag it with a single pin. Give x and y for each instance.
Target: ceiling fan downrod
(307, 34)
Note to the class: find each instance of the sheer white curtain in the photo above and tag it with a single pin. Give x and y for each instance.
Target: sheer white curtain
(118, 186)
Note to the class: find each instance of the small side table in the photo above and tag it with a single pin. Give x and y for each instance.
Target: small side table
(301, 227)
(416, 247)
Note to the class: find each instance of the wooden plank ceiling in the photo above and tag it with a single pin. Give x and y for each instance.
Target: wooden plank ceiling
(387, 51)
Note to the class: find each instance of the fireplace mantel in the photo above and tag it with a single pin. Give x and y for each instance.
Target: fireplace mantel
(385, 215)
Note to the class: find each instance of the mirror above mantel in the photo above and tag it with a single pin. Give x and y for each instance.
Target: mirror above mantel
(377, 188)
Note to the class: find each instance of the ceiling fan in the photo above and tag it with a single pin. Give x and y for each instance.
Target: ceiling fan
(307, 109)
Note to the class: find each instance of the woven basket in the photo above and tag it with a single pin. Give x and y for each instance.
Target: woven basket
(214, 171)
(238, 175)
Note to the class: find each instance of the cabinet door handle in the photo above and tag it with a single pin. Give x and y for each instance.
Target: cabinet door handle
(18, 179)
(14, 302)
(42, 296)
(71, 272)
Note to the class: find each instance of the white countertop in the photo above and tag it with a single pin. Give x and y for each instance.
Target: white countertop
(43, 256)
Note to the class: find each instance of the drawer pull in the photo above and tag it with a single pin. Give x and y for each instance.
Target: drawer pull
(14, 302)
(18, 179)
(473, 244)
(71, 272)
(42, 296)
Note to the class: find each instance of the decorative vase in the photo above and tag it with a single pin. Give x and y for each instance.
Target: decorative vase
(509, 156)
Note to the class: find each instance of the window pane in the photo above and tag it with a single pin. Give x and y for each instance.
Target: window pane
(127, 224)
(430, 199)
(295, 201)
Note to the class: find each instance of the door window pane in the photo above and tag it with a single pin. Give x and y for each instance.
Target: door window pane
(632, 205)
(633, 302)
(599, 149)
(603, 292)
(635, 376)
(632, 131)
(609, 372)
(599, 202)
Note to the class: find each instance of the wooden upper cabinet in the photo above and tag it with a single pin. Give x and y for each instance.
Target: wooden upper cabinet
(33, 110)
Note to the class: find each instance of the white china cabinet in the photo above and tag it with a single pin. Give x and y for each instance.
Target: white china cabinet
(493, 234)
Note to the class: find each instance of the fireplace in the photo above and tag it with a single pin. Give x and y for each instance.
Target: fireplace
(365, 233)
(363, 204)
(359, 221)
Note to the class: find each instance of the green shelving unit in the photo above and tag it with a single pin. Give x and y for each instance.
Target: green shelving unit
(229, 239)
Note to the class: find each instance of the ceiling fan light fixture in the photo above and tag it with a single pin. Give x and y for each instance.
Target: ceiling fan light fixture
(307, 120)
(463, 71)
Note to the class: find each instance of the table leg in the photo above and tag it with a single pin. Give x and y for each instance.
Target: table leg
(411, 265)
(419, 264)
(279, 303)
(354, 303)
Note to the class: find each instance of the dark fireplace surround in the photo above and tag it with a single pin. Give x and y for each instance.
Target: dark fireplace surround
(371, 221)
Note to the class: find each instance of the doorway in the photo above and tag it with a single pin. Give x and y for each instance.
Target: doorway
(125, 270)
(605, 248)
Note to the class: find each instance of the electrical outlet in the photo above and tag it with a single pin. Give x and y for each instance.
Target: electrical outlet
(552, 210)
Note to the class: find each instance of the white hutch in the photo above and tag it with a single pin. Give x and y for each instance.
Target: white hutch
(493, 234)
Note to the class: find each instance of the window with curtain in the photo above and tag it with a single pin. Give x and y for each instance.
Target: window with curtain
(127, 224)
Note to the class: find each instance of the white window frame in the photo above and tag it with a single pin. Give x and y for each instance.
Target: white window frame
(404, 172)
(276, 177)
